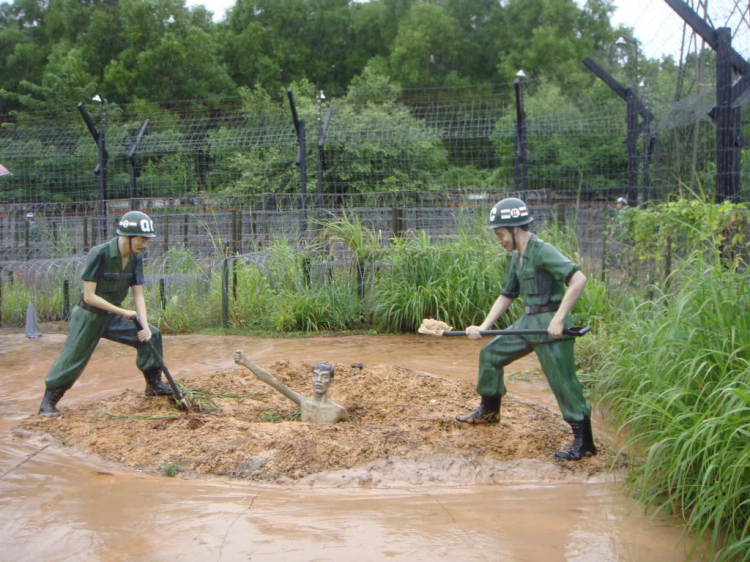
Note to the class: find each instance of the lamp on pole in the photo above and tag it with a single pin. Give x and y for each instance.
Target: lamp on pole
(521, 167)
(625, 42)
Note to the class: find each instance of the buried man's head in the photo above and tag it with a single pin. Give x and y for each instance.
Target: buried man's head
(322, 376)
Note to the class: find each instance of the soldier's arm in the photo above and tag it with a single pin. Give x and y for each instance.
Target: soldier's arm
(498, 309)
(90, 297)
(140, 307)
(576, 285)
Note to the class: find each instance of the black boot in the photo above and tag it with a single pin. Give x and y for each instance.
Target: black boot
(51, 398)
(583, 442)
(488, 412)
(154, 385)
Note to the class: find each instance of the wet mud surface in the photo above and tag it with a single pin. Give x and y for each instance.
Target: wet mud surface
(450, 493)
(240, 428)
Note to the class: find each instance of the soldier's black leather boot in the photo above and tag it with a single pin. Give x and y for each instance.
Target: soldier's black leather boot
(488, 412)
(155, 385)
(49, 402)
(583, 442)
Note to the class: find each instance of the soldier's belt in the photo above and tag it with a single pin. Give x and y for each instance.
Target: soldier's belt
(95, 309)
(551, 307)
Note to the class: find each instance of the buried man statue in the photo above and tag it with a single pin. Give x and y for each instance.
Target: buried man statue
(110, 271)
(539, 273)
(319, 408)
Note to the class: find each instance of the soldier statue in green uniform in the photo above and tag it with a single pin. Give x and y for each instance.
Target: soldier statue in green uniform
(111, 269)
(539, 273)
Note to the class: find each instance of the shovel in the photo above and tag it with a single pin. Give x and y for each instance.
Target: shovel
(438, 328)
(177, 396)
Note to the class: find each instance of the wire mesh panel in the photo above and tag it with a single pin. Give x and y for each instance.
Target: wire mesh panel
(425, 142)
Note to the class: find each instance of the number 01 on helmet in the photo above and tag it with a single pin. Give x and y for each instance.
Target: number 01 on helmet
(135, 223)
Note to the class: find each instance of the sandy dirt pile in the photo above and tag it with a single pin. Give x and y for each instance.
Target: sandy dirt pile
(402, 431)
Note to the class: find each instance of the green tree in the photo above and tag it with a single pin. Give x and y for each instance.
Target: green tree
(549, 38)
(424, 51)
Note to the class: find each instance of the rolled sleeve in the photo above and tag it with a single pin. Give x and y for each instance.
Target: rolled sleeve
(560, 267)
(93, 268)
(138, 277)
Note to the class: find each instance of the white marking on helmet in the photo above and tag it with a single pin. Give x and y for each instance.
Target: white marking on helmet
(505, 214)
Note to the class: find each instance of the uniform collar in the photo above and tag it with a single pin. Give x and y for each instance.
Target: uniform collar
(530, 247)
(113, 250)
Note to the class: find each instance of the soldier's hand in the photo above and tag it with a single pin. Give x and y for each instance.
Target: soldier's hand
(129, 315)
(472, 332)
(555, 328)
(145, 334)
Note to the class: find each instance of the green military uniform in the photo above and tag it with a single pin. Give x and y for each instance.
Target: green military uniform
(541, 281)
(104, 267)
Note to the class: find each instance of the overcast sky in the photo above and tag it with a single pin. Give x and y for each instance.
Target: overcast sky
(656, 25)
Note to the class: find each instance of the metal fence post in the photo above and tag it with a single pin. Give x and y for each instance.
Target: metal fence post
(66, 299)
(163, 293)
(225, 293)
(397, 221)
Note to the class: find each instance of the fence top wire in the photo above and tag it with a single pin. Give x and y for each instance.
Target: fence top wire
(664, 33)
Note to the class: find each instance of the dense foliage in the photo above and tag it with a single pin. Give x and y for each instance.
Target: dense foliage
(58, 52)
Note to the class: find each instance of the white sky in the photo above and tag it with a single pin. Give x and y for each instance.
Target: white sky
(656, 25)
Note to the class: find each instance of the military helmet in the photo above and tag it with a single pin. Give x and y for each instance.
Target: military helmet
(509, 212)
(135, 223)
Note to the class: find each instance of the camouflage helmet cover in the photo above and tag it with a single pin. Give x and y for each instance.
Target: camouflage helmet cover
(135, 223)
(509, 212)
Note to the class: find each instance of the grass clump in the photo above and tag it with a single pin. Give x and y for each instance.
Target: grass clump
(171, 468)
(676, 379)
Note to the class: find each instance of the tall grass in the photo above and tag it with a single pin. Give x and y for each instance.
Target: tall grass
(677, 381)
(456, 283)
(295, 291)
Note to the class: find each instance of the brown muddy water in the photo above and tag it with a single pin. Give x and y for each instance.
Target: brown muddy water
(57, 503)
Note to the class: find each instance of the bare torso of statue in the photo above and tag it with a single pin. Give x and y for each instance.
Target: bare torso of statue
(322, 413)
(317, 409)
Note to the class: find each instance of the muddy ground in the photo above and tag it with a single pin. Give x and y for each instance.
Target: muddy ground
(402, 431)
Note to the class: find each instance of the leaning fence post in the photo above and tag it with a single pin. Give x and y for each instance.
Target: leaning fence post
(225, 293)
(66, 299)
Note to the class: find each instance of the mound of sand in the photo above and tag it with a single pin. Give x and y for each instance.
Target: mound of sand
(402, 431)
